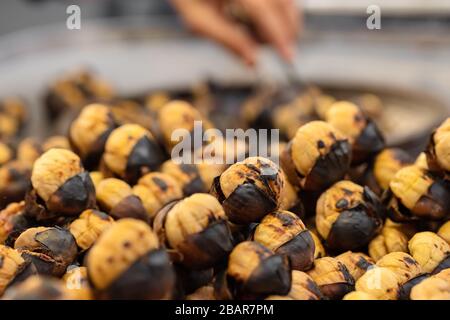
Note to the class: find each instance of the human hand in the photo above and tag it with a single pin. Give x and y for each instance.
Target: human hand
(275, 21)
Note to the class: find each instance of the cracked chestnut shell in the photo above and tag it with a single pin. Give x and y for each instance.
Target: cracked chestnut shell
(254, 272)
(438, 149)
(61, 187)
(356, 263)
(195, 230)
(13, 222)
(127, 262)
(317, 157)
(50, 249)
(430, 251)
(249, 190)
(404, 266)
(88, 227)
(156, 190)
(363, 134)
(332, 277)
(89, 131)
(284, 233)
(131, 152)
(348, 216)
(13, 268)
(381, 283)
(192, 178)
(416, 194)
(38, 288)
(116, 197)
(303, 287)
(14, 182)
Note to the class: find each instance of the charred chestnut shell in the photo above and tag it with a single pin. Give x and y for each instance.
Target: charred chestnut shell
(285, 234)
(131, 152)
(404, 292)
(429, 199)
(303, 288)
(332, 277)
(348, 216)
(127, 263)
(357, 263)
(13, 222)
(89, 131)
(317, 157)
(50, 249)
(249, 190)
(14, 182)
(363, 133)
(254, 272)
(198, 245)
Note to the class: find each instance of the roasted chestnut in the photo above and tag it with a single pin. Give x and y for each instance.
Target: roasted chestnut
(13, 268)
(74, 90)
(14, 182)
(303, 287)
(126, 262)
(180, 117)
(385, 166)
(444, 232)
(254, 272)
(156, 190)
(317, 157)
(88, 227)
(13, 222)
(96, 177)
(348, 216)
(39, 288)
(56, 142)
(332, 277)
(89, 131)
(28, 151)
(249, 190)
(438, 149)
(436, 287)
(285, 234)
(319, 250)
(50, 249)
(6, 153)
(290, 199)
(61, 187)
(414, 193)
(357, 263)
(196, 229)
(77, 283)
(430, 251)
(116, 197)
(131, 152)
(363, 134)
(389, 240)
(192, 178)
(404, 266)
(381, 283)
(404, 292)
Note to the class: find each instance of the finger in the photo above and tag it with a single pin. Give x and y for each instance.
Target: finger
(207, 21)
(289, 12)
(270, 24)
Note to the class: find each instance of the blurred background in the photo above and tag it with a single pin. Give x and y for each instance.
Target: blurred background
(141, 45)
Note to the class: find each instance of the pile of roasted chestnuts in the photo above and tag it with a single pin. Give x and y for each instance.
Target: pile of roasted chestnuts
(104, 212)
